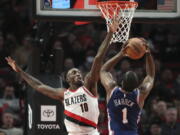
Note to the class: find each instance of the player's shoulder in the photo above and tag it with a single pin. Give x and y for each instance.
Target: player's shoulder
(135, 92)
(116, 90)
(61, 89)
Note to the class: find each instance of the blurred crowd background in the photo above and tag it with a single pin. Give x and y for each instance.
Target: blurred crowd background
(20, 35)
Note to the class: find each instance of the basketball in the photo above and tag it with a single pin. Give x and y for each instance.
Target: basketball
(136, 48)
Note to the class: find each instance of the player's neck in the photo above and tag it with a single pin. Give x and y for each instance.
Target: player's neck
(125, 92)
(73, 87)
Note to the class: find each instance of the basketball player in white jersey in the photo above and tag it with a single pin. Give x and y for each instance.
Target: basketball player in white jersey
(80, 99)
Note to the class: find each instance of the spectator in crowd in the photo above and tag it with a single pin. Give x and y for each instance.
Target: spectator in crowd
(176, 87)
(154, 129)
(164, 88)
(103, 120)
(159, 111)
(77, 53)
(159, 37)
(2, 85)
(22, 53)
(9, 99)
(68, 64)
(88, 62)
(57, 44)
(140, 73)
(171, 126)
(2, 133)
(3, 52)
(171, 48)
(8, 124)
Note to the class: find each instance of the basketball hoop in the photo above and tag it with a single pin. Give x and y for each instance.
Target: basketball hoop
(123, 11)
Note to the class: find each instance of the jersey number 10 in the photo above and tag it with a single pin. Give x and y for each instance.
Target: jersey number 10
(84, 107)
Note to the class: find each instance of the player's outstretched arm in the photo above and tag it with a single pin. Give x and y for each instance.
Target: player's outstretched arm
(148, 81)
(35, 83)
(105, 75)
(93, 76)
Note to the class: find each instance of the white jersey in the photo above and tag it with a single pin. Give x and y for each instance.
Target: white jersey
(81, 112)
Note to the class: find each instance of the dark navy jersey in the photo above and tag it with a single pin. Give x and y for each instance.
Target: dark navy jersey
(123, 112)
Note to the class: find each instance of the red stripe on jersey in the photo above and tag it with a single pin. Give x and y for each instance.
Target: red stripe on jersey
(88, 92)
(72, 90)
(79, 118)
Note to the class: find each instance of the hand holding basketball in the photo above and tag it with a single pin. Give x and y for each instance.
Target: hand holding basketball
(136, 48)
(123, 50)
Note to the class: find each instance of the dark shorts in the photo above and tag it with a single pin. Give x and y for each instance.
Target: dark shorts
(126, 133)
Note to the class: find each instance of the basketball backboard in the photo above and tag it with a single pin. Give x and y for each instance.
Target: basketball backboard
(87, 10)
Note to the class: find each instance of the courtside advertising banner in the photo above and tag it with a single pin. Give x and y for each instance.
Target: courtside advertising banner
(45, 115)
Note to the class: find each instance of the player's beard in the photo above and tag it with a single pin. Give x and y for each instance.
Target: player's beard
(80, 83)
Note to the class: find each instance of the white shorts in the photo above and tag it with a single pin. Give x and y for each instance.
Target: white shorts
(95, 132)
(74, 129)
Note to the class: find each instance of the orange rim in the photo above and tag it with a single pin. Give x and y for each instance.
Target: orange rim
(131, 4)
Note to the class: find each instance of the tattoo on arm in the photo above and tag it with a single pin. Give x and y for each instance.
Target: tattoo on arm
(150, 66)
(148, 81)
(54, 93)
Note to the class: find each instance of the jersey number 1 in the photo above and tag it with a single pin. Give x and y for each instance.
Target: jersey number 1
(124, 111)
(84, 107)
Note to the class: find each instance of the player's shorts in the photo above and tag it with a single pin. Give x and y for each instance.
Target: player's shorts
(123, 133)
(95, 132)
(74, 129)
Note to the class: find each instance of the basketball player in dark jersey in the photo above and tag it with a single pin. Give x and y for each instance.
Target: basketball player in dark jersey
(125, 103)
(79, 119)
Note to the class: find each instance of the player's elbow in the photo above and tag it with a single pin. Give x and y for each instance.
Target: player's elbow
(105, 68)
(150, 78)
(152, 72)
(152, 75)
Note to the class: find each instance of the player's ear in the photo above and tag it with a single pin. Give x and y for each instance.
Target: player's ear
(67, 79)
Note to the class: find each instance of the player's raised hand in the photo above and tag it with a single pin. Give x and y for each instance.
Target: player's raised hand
(124, 48)
(145, 43)
(148, 51)
(13, 64)
(114, 25)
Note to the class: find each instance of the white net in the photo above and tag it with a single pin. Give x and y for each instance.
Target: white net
(123, 12)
